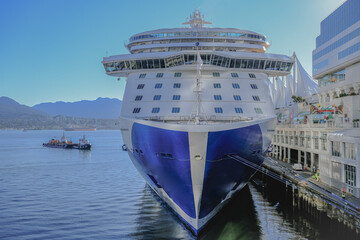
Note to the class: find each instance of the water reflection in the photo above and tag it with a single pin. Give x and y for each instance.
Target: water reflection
(238, 220)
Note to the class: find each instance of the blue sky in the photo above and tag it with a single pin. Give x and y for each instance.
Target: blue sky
(51, 50)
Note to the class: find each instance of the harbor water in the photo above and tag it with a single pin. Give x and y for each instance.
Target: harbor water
(48, 193)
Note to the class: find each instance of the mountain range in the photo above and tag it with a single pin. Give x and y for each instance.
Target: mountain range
(101, 108)
(101, 113)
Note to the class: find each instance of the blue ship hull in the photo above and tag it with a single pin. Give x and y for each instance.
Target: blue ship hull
(163, 158)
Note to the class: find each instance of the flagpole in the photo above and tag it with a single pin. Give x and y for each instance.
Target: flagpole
(199, 64)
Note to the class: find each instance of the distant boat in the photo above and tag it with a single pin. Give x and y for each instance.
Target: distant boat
(80, 129)
(83, 144)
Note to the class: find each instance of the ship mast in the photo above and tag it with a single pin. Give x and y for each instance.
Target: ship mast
(196, 20)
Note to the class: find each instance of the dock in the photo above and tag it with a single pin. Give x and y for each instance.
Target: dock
(312, 195)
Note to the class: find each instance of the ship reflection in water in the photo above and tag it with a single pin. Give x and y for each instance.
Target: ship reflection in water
(247, 216)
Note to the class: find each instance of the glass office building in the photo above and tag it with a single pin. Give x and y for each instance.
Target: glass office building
(338, 44)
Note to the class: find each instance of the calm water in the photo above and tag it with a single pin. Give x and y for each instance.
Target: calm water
(50, 193)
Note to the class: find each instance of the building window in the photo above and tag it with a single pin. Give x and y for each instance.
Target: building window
(256, 98)
(316, 143)
(258, 110)
(234, 75)
(176, 97)
(157, 97)
(237, 98)
(350, 175)
(217, 85)
(155, 110)
(238, 110)
(143, 75)
(251, 75)
(216, 74)
(236, 85)
(159, 75)
(349, 149)
(138, 98)
(175, 110)
(140, 86)
(254, 86)
(218, 110)
(177, 85)
(177, 74)
(335, 149)
(217, 97)
(136, 110)
(158, 85)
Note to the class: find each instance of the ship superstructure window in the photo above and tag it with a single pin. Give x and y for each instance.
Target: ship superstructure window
(157, 97)
(177, 85)
(237, 98)
(176, 97)
(217, 85)
(141, 86)
(218, 110)
(236, 85)
(217, 97)
(143, 75)
(256, 98)
(158, 85)
(159, 75)
(177, 74)
(136, 110)
(258, 110)
(251, 75)
(216, 74)
(138, 98)
(253, 86)
(175, 110)
(234, 75)
(238, 110)
(155, 110)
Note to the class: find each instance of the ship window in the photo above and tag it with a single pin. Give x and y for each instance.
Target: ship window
(175, 110)
(236, 85)
(157, 97)
(136, 110)
(143, 75)
(177, 85)
(177, 74)
(216, 74)
(159, 75)
(254, 86)
(234, 75)
(217, 97)
(158, 85)
(256, 98)
(138, 98)
(238, 110)
(176, 97)
(218, 110)
(237, 98)
(155, 110)
(217, 85)
(140, 86)
(258, 110)
(251, 75)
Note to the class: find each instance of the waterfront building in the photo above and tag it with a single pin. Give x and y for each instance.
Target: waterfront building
(324, 133)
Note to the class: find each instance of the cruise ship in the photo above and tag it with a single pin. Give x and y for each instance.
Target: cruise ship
(197, 114)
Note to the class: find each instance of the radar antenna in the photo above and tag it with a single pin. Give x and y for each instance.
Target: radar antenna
(196, 20)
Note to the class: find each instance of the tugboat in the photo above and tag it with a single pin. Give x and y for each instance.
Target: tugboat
(62, 143)
(84, 144)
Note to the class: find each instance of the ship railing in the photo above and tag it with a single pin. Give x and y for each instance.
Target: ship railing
(211, 118)
(323, 124)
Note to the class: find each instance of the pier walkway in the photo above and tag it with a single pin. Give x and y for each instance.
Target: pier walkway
(304, 178)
